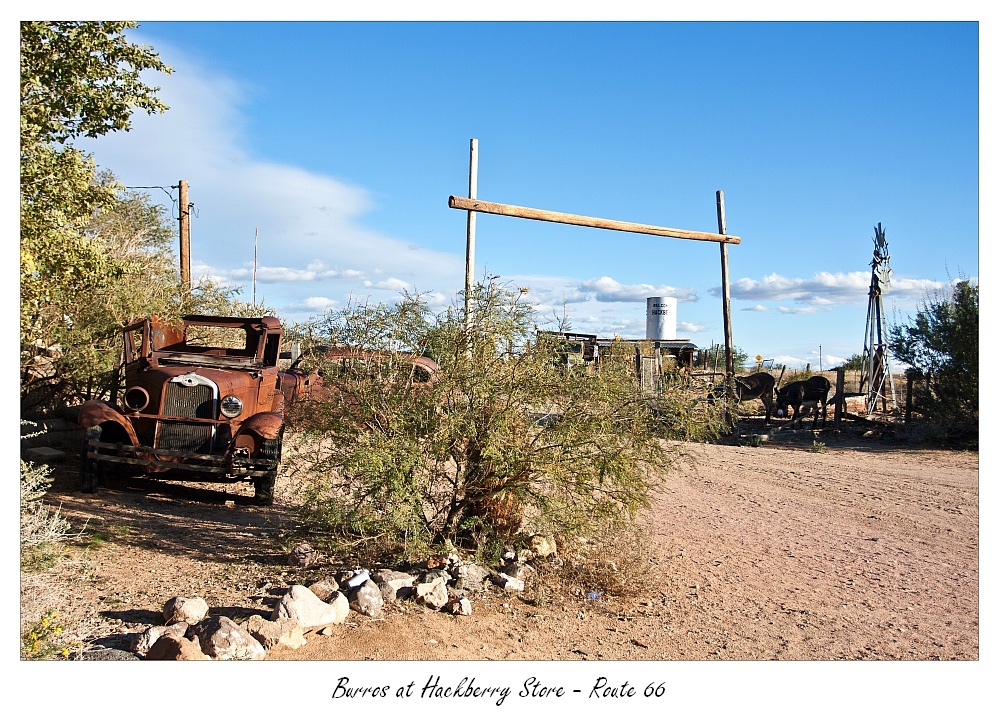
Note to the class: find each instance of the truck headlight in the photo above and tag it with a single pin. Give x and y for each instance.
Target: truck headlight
(136, 398)
(231, 406)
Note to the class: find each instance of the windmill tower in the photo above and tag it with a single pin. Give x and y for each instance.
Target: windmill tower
(876, 371)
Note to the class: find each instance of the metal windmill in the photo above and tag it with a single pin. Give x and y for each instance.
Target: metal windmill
(876, 371)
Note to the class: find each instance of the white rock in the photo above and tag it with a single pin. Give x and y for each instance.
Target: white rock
(310, 612)
(187, 610)
(433, 594)
(221, 638)
(367, 599)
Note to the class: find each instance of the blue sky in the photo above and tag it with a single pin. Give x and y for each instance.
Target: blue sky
(340, 142)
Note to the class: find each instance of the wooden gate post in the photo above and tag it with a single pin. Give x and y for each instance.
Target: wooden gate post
(841, 405)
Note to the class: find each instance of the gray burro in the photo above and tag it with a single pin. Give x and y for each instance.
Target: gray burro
(446, 583)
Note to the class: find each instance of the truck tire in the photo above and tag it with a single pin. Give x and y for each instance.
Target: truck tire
(264, 486)
(91, 471)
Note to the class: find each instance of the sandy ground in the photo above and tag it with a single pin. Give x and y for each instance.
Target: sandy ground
(864, 551)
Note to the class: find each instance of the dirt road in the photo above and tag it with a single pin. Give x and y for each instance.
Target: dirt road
(860, 552)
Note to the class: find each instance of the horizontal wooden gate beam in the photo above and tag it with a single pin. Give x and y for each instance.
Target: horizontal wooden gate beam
(517, 211)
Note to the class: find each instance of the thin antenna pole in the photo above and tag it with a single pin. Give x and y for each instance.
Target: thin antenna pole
(255, 231)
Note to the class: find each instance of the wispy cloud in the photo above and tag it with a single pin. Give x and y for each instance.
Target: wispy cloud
(309, 225)
(797, 311)
(824, 288)
(758, 308)
(609, 290)
(389, 284)
(312, 304)
(691, 327)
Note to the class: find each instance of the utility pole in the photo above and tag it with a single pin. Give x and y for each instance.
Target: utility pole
(727, 325)
(185, 234)
(470, 240)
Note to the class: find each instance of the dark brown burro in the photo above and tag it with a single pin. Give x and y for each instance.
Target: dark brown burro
(202, 400)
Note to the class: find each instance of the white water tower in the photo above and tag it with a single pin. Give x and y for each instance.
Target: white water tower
(661, 318)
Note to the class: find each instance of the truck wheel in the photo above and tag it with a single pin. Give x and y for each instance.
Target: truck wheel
(263, 489)
(91, 472)
(264, 486)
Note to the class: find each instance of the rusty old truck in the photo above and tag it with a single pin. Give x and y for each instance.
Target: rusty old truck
(201, 400)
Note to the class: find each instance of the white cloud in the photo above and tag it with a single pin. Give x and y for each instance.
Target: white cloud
(308, 224)
(314, 304)
(797, 311)
(389, 284)
(690, 327)
(825, 288)
(758, 308)
(609, 290)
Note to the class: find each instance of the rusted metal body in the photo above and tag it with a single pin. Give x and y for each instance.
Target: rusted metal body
(204, 400)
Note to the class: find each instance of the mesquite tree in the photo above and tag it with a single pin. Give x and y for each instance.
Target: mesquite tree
(499, 437)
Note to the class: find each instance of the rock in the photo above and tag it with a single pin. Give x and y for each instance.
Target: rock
(357, 580)
(304, 556)
(44, 454)
(436, 562)
(184, 610)
(470, 578)
(543, 546)
(108, 654)
(394, 584)
(459, 607)
(433, 594)
(325, 589)
(520, 571)
(145, 640)
(223, 639)
(437, 573)
(344, 576)
(171, 648)
(366, 599)
(302, 605)
(507, 583)
(283, 632)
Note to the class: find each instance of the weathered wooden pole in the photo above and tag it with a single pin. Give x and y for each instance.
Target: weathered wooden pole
(470, 239)
(841, 405)
(720, 207)
(552, 216)
(185, 234)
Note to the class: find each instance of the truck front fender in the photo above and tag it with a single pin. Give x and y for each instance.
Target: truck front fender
(99, 413)
(267, 425)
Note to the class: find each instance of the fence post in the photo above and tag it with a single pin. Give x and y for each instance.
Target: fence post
(841, 405)
(909, 398)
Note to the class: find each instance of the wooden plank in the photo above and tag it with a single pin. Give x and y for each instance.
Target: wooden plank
(551, 216)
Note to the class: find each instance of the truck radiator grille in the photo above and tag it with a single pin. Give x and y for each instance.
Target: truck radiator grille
(191, 402)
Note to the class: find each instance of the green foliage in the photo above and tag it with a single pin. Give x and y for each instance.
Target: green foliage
(42, 639)
(503, 436)
(714, 358)
(90, 254)
(71, 318)
(942, 344)
(854, 363)
(82, 79)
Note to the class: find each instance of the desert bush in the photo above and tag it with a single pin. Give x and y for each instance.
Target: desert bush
(42, 529)
(941, 346)
(504, 439)
(44, 534)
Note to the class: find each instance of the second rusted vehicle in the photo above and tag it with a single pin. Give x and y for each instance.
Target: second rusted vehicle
(202, 400)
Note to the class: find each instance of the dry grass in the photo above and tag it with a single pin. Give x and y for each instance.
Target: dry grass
(614, 562)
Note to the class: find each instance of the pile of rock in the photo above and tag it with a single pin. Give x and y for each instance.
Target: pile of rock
(444, 583)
